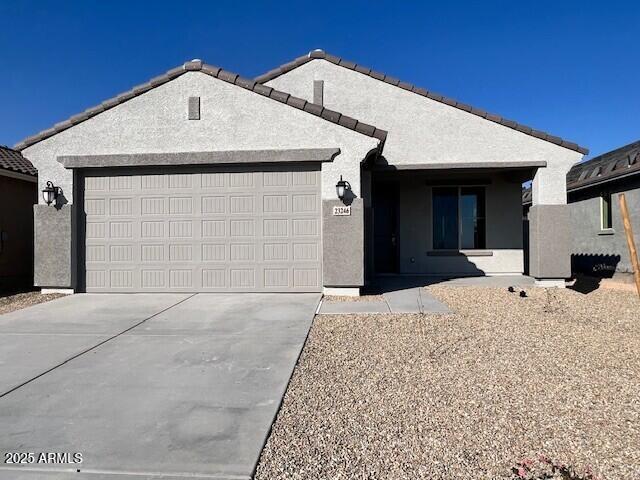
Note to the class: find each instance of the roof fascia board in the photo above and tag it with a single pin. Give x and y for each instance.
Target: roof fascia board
(17, 175)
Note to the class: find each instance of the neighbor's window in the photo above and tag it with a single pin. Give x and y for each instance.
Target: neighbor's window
(605, 212)
(458, 218)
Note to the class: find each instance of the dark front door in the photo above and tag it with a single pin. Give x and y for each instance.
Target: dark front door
(385, 227)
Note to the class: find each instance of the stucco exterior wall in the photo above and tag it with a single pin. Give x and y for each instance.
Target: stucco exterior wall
(231, 119)
(17, 198)
(596, 251)
(503, 230)
(343, 245)
(422, 130)
(54, 249)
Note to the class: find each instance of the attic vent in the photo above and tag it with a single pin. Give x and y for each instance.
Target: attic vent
(194, 108)
(318, 92)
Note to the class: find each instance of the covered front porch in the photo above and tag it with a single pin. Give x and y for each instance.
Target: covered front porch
(444, 222)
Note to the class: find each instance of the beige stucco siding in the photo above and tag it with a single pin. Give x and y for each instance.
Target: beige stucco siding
(423, 131)
(232, 118)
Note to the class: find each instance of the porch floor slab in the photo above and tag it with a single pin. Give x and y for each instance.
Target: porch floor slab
(392, 283)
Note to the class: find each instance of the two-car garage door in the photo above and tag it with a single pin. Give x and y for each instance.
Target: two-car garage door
(210, 229)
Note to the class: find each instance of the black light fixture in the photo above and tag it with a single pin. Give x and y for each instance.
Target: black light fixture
(342, 187)
(50, 193)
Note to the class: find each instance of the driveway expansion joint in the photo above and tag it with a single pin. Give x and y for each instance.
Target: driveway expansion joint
(87, 350)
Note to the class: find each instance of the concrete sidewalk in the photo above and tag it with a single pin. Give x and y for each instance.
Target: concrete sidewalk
(410, 300)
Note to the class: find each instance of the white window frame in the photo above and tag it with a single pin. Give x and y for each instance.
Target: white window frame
(602, 197)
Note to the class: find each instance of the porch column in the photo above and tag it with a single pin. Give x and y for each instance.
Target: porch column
(343, 248)
(549, 231)
(54, 256)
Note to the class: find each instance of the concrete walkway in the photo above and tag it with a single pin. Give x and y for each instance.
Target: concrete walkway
(411, 300)
(148, 386)
(406, 293)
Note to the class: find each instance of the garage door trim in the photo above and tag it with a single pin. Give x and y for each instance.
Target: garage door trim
(284, 272)
(228, 157)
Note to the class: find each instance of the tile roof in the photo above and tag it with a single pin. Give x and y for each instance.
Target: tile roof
(320, 54)
(604, 168)
(14, 161)
(224, 75)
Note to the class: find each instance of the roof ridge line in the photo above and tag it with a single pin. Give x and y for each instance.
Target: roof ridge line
(322, 55)
(221, 74)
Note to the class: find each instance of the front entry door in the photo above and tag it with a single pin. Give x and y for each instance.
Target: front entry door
(385, 227)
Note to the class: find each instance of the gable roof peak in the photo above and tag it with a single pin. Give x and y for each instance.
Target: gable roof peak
(322, 55)
(197, 65)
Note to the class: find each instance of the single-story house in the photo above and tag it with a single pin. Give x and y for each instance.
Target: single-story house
(316, 176)
(598, 241)
(18, 194)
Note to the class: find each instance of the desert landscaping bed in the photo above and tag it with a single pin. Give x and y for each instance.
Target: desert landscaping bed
(10, 302)
(466, 395)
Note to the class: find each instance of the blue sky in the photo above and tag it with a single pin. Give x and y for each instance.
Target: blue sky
(569, 68)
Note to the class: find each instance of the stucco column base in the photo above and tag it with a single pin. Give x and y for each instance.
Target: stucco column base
(342, 291)
(53, 255)
(343, 245)
(549, 243)
(550, 283)
(63, 291)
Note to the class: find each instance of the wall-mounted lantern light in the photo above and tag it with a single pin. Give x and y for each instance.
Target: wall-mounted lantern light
(342, 187)
(50, 193)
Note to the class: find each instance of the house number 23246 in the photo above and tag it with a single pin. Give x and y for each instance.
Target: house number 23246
(342, 211)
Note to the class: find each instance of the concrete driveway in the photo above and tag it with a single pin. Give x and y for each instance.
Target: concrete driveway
(147, 385)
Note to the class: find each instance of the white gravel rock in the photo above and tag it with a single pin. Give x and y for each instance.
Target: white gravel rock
(466, 395)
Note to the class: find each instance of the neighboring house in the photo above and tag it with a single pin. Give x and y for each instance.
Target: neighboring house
(201, 180)
(599, 246)
(18, 194)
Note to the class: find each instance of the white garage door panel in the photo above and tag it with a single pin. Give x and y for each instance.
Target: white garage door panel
(208, 230)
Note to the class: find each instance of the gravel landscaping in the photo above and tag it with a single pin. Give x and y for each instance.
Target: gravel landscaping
(467, 395)
(16, 301)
